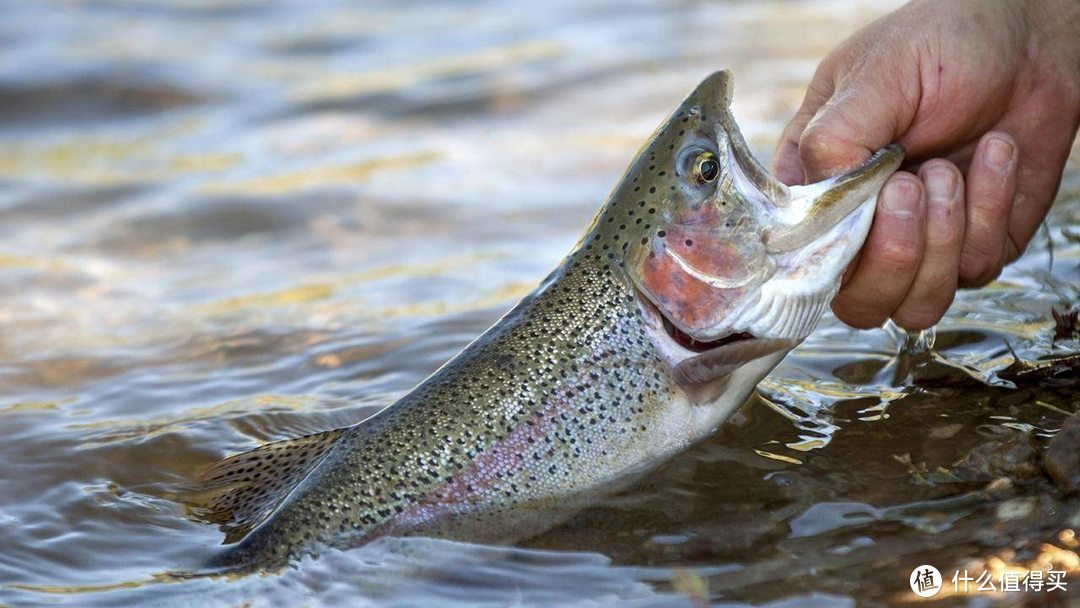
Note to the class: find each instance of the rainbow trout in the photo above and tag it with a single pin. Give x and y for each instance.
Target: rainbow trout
(698, 275)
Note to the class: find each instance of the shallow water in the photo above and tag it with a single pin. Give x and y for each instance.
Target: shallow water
(224, 223)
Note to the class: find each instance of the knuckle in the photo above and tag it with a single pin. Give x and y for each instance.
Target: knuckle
(818, 146)
(816, 138)
(989, 214)
(949, 240)
(900, 256)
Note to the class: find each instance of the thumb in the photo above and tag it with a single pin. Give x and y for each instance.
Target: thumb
(862, 115)
(786, 163)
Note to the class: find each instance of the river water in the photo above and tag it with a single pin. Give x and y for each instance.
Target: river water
(228, 222)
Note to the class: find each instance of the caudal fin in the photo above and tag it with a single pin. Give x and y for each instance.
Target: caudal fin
(241, 491)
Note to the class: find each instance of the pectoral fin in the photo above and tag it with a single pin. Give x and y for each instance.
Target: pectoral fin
(241, 491)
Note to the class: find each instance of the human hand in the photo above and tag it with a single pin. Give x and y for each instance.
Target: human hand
(985, 97)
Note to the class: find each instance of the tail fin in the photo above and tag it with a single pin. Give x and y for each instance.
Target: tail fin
(241, 491)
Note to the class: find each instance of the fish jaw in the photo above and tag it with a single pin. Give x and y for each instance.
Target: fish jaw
(723, 375)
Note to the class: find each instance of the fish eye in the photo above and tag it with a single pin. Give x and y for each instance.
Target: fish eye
(706, 168)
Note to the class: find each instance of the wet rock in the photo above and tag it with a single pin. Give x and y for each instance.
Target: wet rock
(1062, 456)
(1009, 454)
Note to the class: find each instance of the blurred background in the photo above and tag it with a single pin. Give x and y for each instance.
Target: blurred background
(228, 222)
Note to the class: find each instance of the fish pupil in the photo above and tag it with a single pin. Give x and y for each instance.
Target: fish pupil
(709, 169)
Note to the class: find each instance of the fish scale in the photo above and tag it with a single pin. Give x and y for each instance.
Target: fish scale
(574, 394)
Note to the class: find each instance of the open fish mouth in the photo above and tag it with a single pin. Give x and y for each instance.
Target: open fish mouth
(688, 342)
(694, 362)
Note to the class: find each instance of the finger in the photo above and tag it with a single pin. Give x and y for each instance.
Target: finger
(1041, 162)
(864, 114)
(889, 259)
(991, 190)
(935, 283)
(786, 164)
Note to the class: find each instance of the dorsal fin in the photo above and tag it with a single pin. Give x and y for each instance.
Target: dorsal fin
(241, 491)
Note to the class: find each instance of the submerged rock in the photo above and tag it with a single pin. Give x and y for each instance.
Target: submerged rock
(1062, 456)
(1010, 454)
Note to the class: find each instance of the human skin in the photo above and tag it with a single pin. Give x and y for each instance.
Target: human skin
(985, 97)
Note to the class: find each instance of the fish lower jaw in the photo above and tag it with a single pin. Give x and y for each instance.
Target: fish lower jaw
(702, 369)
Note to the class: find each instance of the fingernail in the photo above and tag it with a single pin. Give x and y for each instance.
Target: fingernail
(899, 198)
(940, 185)
(999, 153)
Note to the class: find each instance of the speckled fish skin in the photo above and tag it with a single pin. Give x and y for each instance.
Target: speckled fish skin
(581, 388)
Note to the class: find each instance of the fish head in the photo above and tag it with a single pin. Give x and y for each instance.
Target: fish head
(729, 264)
